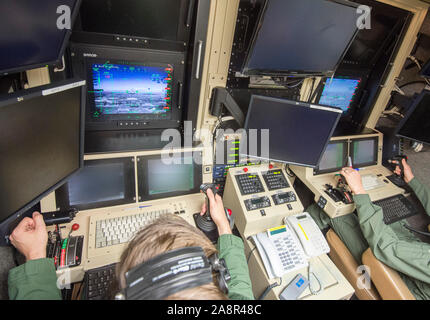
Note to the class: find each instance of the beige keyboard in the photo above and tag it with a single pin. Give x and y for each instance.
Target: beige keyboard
(113, 231)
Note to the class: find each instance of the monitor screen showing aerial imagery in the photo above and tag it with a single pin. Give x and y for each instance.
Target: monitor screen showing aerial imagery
(339, 92)
(131, 89)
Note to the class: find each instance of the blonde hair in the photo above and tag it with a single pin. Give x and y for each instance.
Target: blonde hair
(167, 233)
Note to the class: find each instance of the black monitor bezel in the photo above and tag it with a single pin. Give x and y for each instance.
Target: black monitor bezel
(83, 55)
(367, 164)
(303, 73)
(356, 92)
(9, 223)
(297, 103)
(410, 111)
(74, 14)
(317, 171)
(62, 194)
(142, 172)
(182, 32)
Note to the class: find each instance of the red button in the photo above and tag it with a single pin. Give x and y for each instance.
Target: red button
(75, 227)
(229, 212)
(245, 169)
(270, 166)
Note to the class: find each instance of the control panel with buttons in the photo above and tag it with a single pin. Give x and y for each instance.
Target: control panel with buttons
(275, 180)
(249, 183)
(284, 197)
(257, 203)
(260, 196)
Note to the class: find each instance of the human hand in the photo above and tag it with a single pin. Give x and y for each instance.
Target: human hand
(353, 179)
(30, 237)
(217, 212)
(407, 170)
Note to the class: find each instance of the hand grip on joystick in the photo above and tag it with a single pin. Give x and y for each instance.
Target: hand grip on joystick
(205, 222)
(397, 161)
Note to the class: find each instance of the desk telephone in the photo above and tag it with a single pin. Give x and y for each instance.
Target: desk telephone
(279, 247)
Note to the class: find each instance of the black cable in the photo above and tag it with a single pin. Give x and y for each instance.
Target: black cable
(318, 88)
(288, 171)
(417, 231)
(249, 256)
(412, 82)
(312, 90)
(270, 287)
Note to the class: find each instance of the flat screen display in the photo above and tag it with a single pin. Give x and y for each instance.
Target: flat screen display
(121, 89)
(100, 183)
(416, 124)
(298, 132)
(40, 146)
(339, 92)
(301, 36)
(364, 152)
(141, 18)
(161, 177)
(97, 183)
(29, 34)
(166, 178)
(334, 157)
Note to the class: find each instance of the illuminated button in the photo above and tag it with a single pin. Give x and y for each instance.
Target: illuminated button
(270, 166)
(75, 227)
(245, 169)
(229, 212)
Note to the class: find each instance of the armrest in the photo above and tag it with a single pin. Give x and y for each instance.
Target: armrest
(388, 282)
(346, 263)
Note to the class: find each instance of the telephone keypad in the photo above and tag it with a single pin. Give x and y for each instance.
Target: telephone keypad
(287, 252)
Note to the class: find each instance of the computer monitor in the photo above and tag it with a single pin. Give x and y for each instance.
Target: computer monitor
(41, 145)
(30, 35)
(334, 158)
(161, 19)
(101, 183)
(416, 123)
(131, 89)
(301, 37)
(364, 152)
(298, 132)
(160, 179)
(339, 92)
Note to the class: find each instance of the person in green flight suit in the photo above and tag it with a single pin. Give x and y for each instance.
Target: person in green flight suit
(393, 244)
(36, 279)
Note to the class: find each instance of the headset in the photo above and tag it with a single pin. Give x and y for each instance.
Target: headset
(173, 271)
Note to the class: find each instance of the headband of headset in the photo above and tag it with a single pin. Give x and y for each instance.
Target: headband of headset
(170, 273)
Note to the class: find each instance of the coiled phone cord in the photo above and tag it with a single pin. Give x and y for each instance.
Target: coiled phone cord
(310, 272)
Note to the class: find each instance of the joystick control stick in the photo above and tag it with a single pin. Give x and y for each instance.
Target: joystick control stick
(205, 222)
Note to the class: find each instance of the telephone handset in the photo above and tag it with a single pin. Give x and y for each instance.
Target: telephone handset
(310, 236)
(280, 251)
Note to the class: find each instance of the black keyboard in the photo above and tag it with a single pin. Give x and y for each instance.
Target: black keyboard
(98, 281)
(396, 208)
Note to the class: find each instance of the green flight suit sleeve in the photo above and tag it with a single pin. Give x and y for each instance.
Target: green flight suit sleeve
(34, 280)
(422, 192)
(231, 249)
(411, 258)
